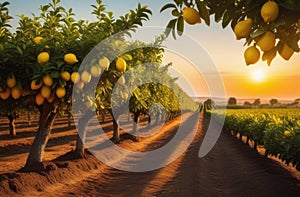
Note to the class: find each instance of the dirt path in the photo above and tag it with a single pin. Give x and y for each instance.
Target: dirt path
(230, 169)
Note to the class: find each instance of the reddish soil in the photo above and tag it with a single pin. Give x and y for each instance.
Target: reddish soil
(230, 169)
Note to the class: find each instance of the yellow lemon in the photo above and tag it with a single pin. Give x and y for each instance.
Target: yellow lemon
(5, 95)
(269, 55)
(269, 11)
(121, 80)
(43, 58)
(190, 15)
(70, 58)
(85, 77)
(11, 81)
(35, 86)
(75, 77)
(267, 41)
(39, 99)
(121, 64)
(60, 92)
(251, 55)
(286, 52)
(243, 28)
(95, 71)
(80, 85)
(46, 91)
(37, 39)
(47, 80)
(65, 75)
(287, 133)
(16, 92)
(104, 63)
(89, 103)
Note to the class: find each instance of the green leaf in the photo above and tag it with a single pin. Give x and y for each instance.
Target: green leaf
(203, 11)
(293, 43)
(226, 19)
(257, 33)
(180, 25)
(170, 26)
(167, 6)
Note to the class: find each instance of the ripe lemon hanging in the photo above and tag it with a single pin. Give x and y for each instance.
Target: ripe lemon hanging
(269, 55)
(95, 71)
(65, 75)
(70, 58)
(39, 99)
(75, 77)
(121, 64)
(50, 99)
(191, 16)
(85, 77)
(251, 55)
(60, 92)
(121, 80)
(269, 11)
(43, 58)
(287, 133)
(80, 85)
(35, 86)
(267, 41)
(47, 80)
(16, 92)
(286, 52)
(11, 81)
(46, 91)
(5, 95)
(104, 63)
(37, 39)
(243, 28)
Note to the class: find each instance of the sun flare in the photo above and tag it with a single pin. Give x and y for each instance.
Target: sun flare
(258, 75)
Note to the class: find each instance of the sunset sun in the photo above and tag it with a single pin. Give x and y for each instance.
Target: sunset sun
(258, 75)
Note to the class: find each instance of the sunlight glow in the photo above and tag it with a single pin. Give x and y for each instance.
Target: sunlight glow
(258, 75)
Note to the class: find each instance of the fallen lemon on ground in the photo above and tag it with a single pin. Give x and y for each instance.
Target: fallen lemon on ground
(267, 41)
(43, 57)
(70, 58)
(269, 11)
(243, 28)
(121, 64)
(251, 55)
(191, 16)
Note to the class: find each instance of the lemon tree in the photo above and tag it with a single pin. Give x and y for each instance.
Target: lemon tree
(273, 25)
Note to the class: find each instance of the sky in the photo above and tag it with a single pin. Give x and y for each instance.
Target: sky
(281, 80)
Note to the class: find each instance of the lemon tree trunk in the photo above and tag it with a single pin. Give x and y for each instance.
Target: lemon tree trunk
(116, 128)
(83, 123)
(46, 120)
(12, 127)
(136, 120)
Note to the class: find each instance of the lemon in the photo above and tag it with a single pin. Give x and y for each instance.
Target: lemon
(269, 11)
(104, 63)
(80, 85)
(89, 103)
(47, 80)
(267, 41)
(269, 55)
(85, 77)
(286, 52)
(121, 64)
(65, 75)
(39, 99)
(190, 15)
(243, 28)
(4, 95)
(95, 71)
(287, 133)
(60, 92)
(121, 80)
(35, 86)
(50, 99)
(37, 39)
(75, 77)
(251, 55)
(11, 81)
(16, 92)
(70, 58)
(43, 58)
(46, 91)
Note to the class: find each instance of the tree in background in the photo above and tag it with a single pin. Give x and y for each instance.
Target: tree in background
(256, 102)
(273, 101)
(232, 101)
